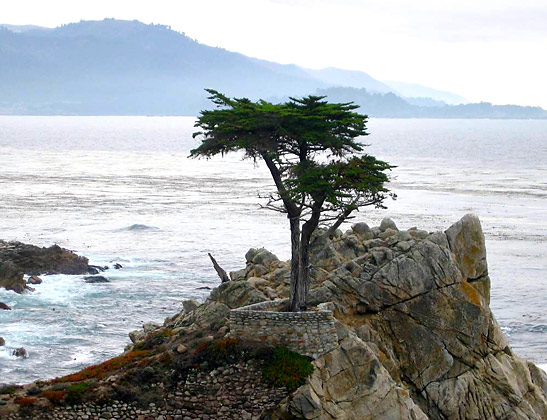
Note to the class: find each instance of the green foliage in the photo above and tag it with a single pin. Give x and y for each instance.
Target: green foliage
(74, 393)
(311, 144)
(311, 149)
(9, 389)
(287, 369)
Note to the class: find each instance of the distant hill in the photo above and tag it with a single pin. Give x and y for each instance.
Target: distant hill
(412, 90)
(391, 105)
(350, 78)
(114, 67)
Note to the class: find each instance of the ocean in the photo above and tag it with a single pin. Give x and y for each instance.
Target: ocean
(122, 189)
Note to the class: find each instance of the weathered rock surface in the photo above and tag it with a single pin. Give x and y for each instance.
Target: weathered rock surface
(421, 312)
(17, 259)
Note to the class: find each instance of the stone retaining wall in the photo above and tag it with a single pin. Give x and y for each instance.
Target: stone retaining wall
(310, 333)
(233, 392)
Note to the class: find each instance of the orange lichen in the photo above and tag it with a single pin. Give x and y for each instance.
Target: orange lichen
(102, 370)
(470, 293)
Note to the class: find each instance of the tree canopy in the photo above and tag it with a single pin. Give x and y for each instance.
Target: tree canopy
(311, 150)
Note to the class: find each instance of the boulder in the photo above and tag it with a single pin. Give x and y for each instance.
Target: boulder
(34, 280)
(2, 341)
(263, 257)
(12, 277)
(189, 305)
(20, 352)
(387, 223)
(234, 294)
(96, 279)
(4, 307)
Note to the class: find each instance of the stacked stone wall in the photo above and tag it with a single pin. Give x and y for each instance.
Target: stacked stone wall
(311, 333)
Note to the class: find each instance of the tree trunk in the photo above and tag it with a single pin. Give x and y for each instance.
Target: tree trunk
(302, 284)
(295, 292)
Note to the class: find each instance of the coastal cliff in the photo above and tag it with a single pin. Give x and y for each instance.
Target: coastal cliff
(414, 339)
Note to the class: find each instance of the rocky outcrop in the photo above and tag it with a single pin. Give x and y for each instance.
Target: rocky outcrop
(17, 259)
(415, 338)
(418, 309)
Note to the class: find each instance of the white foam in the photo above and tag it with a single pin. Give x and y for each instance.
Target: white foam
(544, 367)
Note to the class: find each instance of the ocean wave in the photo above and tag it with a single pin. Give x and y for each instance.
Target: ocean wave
(138, 228)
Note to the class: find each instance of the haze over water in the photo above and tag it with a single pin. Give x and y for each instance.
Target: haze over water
(121, 189)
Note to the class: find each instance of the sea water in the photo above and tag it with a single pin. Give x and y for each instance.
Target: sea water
(122, 190)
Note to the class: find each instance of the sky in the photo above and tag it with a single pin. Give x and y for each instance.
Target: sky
(484, 50)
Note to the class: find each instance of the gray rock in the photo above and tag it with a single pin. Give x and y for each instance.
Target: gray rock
(387, 223)
(4, 307)
(189, 305)
(96, 279)
(12, 277)
(20, 352)
(264, 257)
(236, 294)
(150, 327)
(34, 280)
(361, 228)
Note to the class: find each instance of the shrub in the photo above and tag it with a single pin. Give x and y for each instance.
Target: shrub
(55, 397)
(102, 370)
(287, 369)
(74, 393)
(25, 401)
(9, 389)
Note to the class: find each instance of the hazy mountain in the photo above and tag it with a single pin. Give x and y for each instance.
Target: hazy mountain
(124, 67)
(114, 67)
(412, 90)
(391, 105)
(23, 28)
(350, 78)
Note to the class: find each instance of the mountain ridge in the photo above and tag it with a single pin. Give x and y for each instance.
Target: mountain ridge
(115, 67)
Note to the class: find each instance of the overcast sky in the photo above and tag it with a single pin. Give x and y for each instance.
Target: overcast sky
(491, 50)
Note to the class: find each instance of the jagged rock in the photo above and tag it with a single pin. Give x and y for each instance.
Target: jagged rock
(34, 280)
(387, 223)
(211, 314)
(350, 383)
(4, 307)
(262, 256)
(136, 336)
(12, 277)
(150, 327)
(96, 279)
(237, 293)
(238, 275)
(118, 266)
(418, 303)
(20, 352)
(34, 260)
(189, 305)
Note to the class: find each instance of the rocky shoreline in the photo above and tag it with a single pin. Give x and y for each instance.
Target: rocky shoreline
(415, 340)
